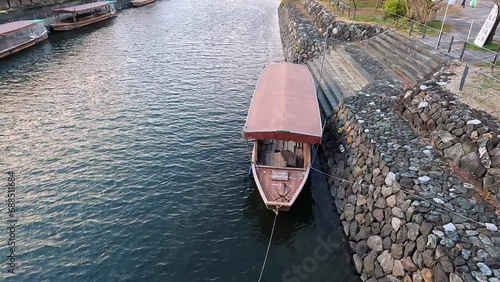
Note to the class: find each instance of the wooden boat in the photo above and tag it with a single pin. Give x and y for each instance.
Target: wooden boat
(284, 121)
(77, 16)
(139, 3)
(17, 36)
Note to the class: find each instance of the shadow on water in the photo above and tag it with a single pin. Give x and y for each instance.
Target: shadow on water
(310, 235)
(57, 37)
(288, 222)
(25, 58)
(35, 57)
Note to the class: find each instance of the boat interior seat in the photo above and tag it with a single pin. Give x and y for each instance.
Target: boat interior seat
(281, 153)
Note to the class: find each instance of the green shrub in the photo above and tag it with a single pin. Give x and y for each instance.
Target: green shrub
(391, 7)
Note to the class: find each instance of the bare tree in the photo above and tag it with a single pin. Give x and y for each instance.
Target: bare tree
(489, 40)
(422, 11)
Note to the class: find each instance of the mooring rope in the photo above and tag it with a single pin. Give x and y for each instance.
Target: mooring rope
(268, 245)
(409, 194)
(247, 149)
(316, 150)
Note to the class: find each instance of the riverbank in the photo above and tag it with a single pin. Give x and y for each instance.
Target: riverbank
(408, 214)
(302, 34)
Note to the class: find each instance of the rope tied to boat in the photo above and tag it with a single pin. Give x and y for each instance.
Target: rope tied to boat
(269, 244)
(285, 193)
(441, 206)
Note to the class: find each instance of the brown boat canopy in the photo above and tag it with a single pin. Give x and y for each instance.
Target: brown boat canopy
(81, 8)
(284, 106)
(8, 28)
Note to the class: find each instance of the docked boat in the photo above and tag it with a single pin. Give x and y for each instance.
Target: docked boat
(139, 3)
(284, 122)
(77, 16)
(17, 36)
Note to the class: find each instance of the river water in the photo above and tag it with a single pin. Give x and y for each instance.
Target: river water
(125, 140)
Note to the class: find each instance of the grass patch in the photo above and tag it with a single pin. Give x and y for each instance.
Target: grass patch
(492, 46)
(371, 19)
(485, 65)
(435, 25)
(490, 83)
(402, 25)
(365, 4)
(366, 13)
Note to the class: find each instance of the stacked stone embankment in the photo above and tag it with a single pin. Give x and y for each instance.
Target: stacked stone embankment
(466, 137)
(299, 38)
(407, 215)
(303, 26)
(323, 18)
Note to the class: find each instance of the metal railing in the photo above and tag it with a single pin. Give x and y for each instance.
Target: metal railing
(341, 7)
(454, 45)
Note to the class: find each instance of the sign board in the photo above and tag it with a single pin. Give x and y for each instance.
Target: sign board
(487, 27)
(279, 175)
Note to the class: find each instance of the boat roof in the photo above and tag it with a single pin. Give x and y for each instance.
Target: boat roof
(82, 8)
(284, 106)
(8, 28)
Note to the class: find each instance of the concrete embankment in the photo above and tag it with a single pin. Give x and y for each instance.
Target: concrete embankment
(408, 213)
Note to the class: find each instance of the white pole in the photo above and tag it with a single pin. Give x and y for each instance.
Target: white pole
(442, 25)
(470, 29)
(323, 58)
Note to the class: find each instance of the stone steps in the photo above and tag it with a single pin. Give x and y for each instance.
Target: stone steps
(417, 50)
(341, 77)
(414, 44)
(411, 60)
(329, 95)
(325, 106)
(344, 73)
(390, 61)
(417, 67)
(357, 73)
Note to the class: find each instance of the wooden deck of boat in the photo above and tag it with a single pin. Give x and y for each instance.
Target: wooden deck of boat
(279, 190)
(281, 153)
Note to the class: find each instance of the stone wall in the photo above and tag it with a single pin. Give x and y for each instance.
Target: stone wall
(323, 18)
(407, 216)
(299, 38)
(466, 137)
(302, 35)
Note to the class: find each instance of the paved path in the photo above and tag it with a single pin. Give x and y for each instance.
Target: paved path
(460, 24)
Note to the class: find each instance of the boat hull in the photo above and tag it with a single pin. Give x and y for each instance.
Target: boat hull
(279, 186)
(23, 46)
(61, 26)
(142, 3)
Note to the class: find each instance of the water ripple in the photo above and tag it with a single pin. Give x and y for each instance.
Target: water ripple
(126, 141)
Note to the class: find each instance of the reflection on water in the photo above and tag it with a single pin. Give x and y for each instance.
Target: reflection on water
(126, 140)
